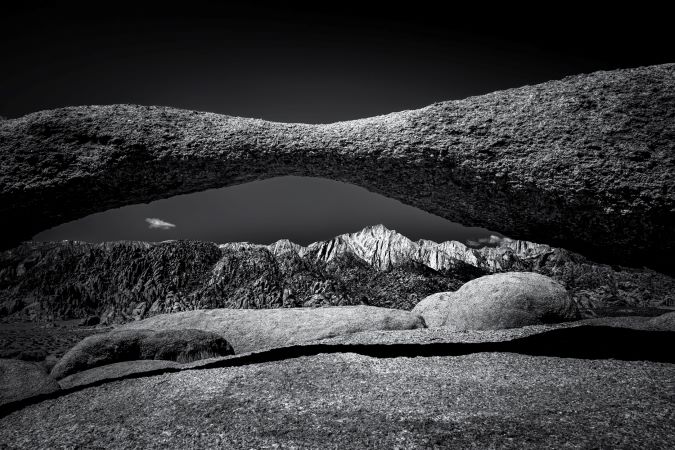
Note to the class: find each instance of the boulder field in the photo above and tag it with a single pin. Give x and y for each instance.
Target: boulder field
(584, 163)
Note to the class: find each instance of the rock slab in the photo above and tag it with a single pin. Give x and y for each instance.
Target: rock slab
(257, 329)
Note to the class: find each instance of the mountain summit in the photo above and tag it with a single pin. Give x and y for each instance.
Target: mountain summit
(384, 249)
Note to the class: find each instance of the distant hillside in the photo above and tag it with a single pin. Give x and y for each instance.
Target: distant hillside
(122, 281)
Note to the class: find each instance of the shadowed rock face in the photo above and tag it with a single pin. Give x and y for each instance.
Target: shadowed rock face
(179, 344)
(584, 163)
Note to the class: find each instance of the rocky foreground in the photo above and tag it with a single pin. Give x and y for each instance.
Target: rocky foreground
(482, 400)
(354, 377)
(584, 163)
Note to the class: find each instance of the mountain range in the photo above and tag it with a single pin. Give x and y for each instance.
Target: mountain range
(129, 280)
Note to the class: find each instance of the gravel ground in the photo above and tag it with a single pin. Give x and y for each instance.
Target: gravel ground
(351, 401)
(40, 339)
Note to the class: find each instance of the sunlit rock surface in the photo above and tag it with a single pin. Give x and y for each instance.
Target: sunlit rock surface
(499, 301)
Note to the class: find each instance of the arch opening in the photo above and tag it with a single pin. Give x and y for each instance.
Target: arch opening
(565, 170)
(301, 209)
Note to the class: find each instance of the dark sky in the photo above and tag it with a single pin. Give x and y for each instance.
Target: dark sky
(292, 65)
(301, 209)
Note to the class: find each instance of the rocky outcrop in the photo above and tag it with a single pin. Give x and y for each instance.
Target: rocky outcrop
(500, 301)
(665, 322)
(20, 380)
(250, 330)
(177, 344)
(124, 281)
(584, 163)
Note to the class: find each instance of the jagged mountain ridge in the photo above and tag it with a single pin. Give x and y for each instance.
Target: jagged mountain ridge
(122, 281)
(385, 249)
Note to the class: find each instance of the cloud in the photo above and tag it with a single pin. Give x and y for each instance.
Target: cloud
(492, 241)
(154, 223)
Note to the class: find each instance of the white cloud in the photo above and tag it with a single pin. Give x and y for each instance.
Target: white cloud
(492, 241)
(159, 224)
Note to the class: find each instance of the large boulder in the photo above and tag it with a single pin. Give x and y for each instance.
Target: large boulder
(434, 309)
(493, 302)
(20, 380)
(178, 344)
(257, 329)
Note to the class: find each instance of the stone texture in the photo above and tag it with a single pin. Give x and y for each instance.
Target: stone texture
(434, 309)
(20, 380)
(115, 371)
(123, 281)
(181, 344)
(505, 300)
(256, 329)
(584, 163)
(665, 322)
(348, 401)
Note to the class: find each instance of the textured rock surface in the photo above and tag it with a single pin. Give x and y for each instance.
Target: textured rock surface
(182, 344)
(123, 281)
(584, 163)
(21, 379)
(256, 329)
(116, 371)
(489, 400)
(505, 300)
(443, 335)
(434, 309)
(664, 322)
(589, 338)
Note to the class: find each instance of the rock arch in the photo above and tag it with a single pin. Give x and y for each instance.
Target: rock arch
(585, 163)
